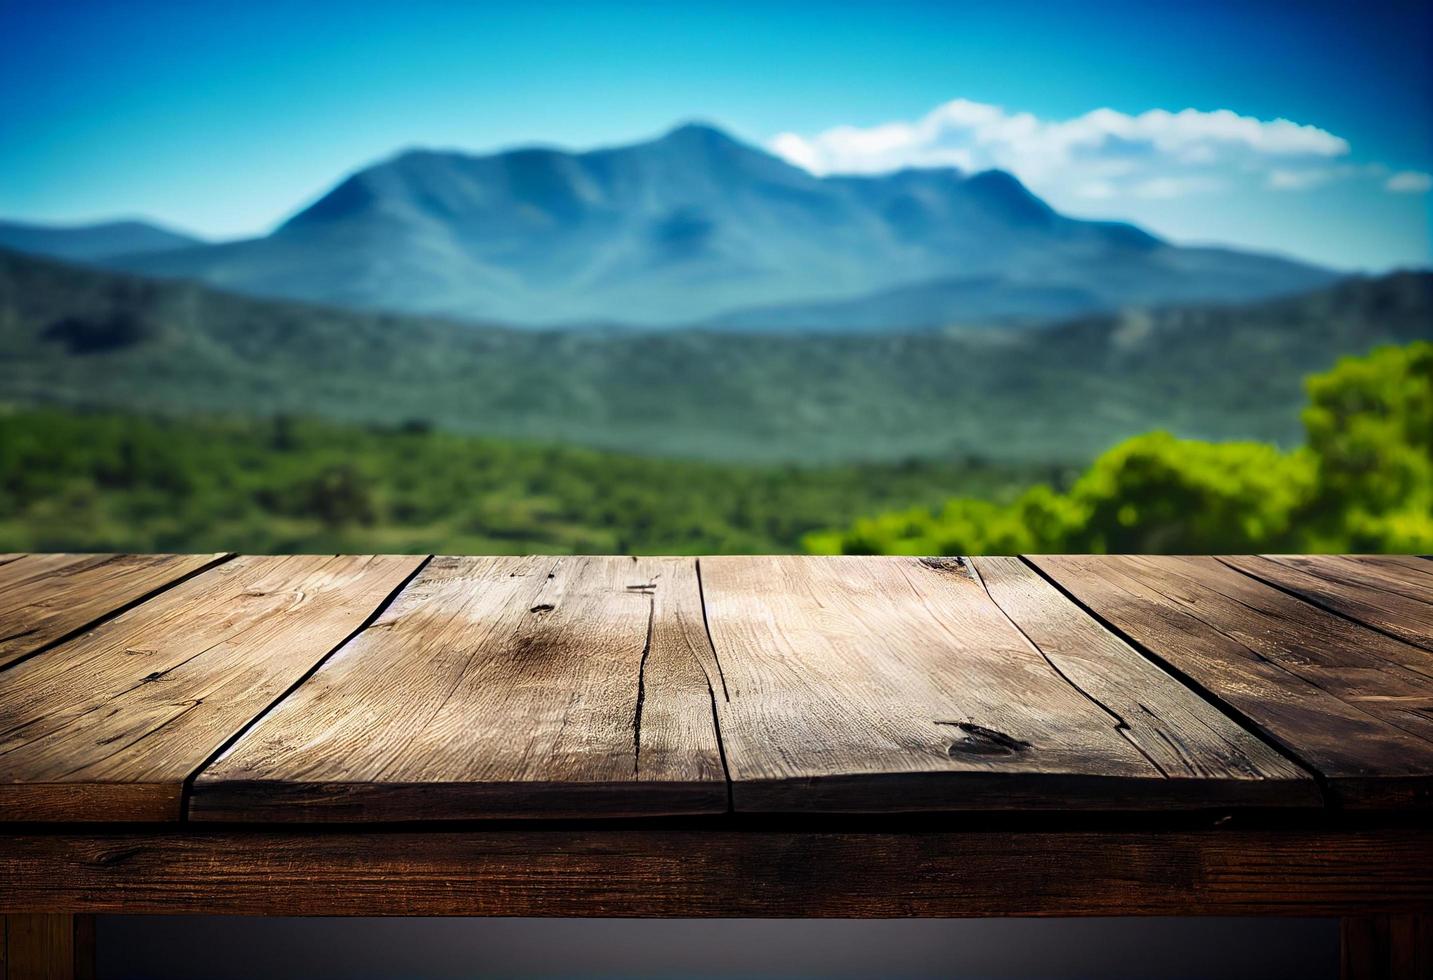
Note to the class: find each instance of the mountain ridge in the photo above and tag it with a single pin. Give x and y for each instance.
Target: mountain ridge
(81, 336)
(93, 241)
(694, 227)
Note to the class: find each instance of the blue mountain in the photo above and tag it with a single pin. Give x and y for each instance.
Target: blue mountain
(89, 243)
(698, 228)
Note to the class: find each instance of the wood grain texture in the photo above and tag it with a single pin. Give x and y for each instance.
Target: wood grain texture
(887, 684)
(1389, 594)
(109, 725)
(1179, 731)
(1350, 702)
(46, 597)
(47, 946)
(542, 687)
(85, 947)
(1387, 947)
(718, 872)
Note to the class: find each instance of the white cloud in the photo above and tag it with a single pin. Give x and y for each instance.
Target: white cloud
(1299, 180)
(1096, 190)
(1309, 177)
(1409, 182)
(1100, 155)
(791, 147)
(1167, 187)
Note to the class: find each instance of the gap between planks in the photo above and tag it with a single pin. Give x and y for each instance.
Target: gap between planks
(496, 687)
(1121, 725)
(1326, 688)
(124, 605)
(195, 643)
(187, 789)
(721, 742)
(721, 675)
(873, 649)
(1272, 784)
(1242, 565)
(1237, 716)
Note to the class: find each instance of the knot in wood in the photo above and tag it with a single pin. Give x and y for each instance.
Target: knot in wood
(979, 740)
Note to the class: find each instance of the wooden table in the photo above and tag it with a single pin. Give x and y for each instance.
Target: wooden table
(783, 736)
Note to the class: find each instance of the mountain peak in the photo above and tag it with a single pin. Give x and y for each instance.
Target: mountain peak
(698, 129)
(697, 139)
(1012, 198)
(695, 224)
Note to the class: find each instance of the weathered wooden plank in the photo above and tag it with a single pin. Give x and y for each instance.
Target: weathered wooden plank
(1413, 569)
(1387, 947)
(1344, 699)
(542, 687)
(885, 684)
(109, 725)
(47, 946)
(85, 965)
(1177, 729)
(1389, 595)
(46, 597)
(719, 871)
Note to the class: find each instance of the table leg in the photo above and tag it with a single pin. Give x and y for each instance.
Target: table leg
(47, 947)
(1388, 947)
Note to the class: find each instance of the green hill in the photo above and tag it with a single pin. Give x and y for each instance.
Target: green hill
(81, 337)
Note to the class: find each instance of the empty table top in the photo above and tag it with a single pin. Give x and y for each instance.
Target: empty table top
(315, 689)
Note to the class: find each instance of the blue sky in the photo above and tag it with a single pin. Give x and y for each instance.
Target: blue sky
(221, 118)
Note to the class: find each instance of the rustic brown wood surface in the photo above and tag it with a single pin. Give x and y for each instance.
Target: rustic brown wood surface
(1388, 947)
(545, 687)
(592, 871)
(899, 684)
(1349, 702)
(1235, 735)
(552, 687)
(44, 598)
(612, 687)
(1390, 594)
(109, 725)
(47, 946)
(1180, 732)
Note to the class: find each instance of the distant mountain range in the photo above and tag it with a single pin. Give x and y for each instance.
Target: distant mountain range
(110, 240)
(79, 336)
(694, 228)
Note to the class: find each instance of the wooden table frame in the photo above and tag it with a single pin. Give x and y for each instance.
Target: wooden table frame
(1362, 850)
(1377, 877)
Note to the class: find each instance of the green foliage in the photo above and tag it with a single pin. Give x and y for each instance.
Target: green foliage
(101, 482)
(94, 481)
(93, 335)
(1364, 482)
(1370, 426)
(82, 337)
(1159, 494)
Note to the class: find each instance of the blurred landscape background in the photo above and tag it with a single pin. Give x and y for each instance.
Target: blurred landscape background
(923, 279)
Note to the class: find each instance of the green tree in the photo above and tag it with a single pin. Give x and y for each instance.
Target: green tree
(338, 495)
(1363, 482)
(1370, 428)
(1156, 494)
